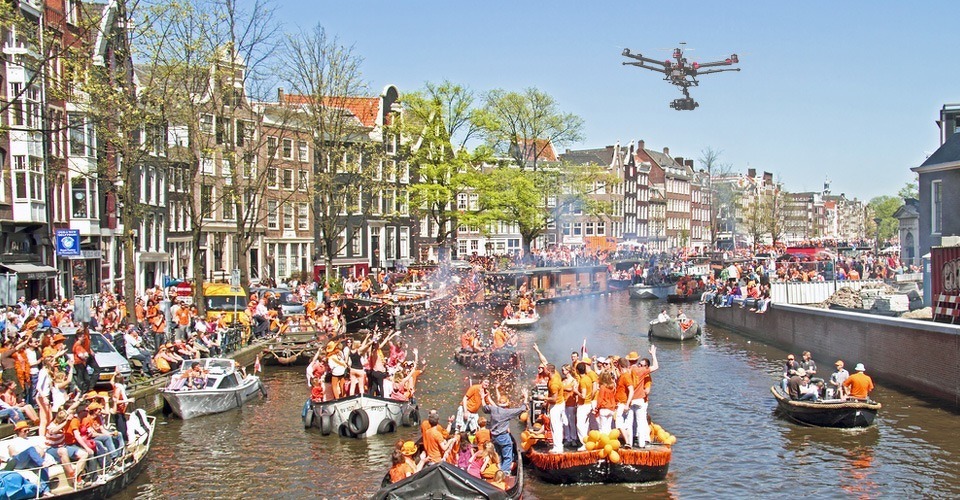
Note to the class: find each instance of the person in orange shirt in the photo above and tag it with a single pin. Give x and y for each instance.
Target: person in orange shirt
(585, 389)
(404, 465)
(482, 436)
(477, 395)
(499, 338)
(434, 445)
(183, 321)
(606, 402)
(637, 415)
(858, 385)
(466, 340)
(555, 399)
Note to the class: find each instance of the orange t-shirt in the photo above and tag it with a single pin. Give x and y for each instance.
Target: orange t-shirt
(606, 398)
(639, 373)
(400, 472)
(482, 437)
(73, 425)
(858, 385)
(624, 383)
(499, 338)
(183, 316)
(474, 398)
(431, 444)
(425, 426)
(586, 390)
(555, 388)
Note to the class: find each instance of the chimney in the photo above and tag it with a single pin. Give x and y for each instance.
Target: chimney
(688, 163)
(679, 160)
(751, 173)
(768, 178)
(280, 95)
(640, 145)
(666, 151)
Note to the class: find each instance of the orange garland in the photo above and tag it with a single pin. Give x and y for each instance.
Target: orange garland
(647, 458)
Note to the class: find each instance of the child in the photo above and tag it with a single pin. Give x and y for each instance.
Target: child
(499, 480)
(466, 451)
(482, 436)
(316, 391)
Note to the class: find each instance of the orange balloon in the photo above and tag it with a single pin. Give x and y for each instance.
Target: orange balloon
(604, 441)
(603, 453)
(615, 445)
(608, 448)
(593, 435)
(590, 445)
(525, 435)
(523, 417)
(615, 434)
(614, 457)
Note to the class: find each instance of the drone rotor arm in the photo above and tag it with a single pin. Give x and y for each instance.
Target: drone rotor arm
(641, 65)
(641, 58)
(718, 70)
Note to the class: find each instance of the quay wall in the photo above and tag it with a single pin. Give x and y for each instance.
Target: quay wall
(918, 356)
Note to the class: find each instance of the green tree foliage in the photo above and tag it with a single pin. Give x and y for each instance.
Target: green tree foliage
(883, 207)
(439, 120)
(525, 125)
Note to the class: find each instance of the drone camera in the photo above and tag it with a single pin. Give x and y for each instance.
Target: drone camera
(686, 104)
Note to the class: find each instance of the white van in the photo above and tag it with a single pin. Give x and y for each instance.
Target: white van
(108, 359)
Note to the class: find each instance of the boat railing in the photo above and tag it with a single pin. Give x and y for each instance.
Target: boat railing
(101, 464)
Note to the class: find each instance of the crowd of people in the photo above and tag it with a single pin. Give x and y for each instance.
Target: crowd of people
(801, 381)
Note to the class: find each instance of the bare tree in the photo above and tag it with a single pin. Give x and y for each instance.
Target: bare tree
(719, 194)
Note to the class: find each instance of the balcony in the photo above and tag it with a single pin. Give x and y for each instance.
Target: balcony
(25, 212)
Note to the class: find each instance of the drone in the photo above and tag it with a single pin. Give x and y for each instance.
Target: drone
(681, 73)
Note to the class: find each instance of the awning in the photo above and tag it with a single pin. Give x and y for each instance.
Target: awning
(31, 271)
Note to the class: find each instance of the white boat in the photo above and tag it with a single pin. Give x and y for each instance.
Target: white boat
(226, 389)
(672, 330)
(521, 320)
(23, 483)
(360, 416)
(650, 292)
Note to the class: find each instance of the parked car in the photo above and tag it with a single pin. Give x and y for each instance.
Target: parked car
(289, 301)
(107, 357)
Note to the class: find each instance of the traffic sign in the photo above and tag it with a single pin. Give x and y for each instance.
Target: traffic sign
(235, 278)
(68, 242)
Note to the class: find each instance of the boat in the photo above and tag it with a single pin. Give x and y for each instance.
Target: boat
(291, 348)
(619, 283)
(672, 329)
(406, 306)
(522, 320)
(674, 298)
(636, 465)
(360, 416)
(650, 292)
(226, 389)
(845, 414)
(445, 480)
(22, 483)
(507, 358)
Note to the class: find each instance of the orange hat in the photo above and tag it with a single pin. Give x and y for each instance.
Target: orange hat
(94, 406)
(331, 346)
(409, 448)
(49, 352)
(633, 356)
(59, 338)
(20, 426)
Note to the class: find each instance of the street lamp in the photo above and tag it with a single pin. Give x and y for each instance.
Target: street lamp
(876, 248)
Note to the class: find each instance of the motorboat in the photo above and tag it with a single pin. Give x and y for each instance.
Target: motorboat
(444, 480)
(650, 292)
(506, 358)
(360, 416)
(841, 413)
(109, 481)
(673, 329)
(521, 320)
(226, 388)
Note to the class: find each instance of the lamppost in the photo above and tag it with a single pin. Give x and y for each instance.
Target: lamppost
(876, 247)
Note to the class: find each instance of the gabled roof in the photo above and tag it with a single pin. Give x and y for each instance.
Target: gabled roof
(666, 162)
(599, 156)
(909, 210)
(946, 154)
(541, 146)
(366, 109)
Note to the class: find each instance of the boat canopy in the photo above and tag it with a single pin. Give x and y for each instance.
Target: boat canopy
(441, 481)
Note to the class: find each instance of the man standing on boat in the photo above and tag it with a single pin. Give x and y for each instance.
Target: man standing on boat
(499, 425)
(837, 379)
(477, 395)
(556, 400)
(637, 410)
(858, 385)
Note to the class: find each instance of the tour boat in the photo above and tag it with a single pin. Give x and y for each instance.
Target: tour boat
(672, 329)
(522, 320)
(445, 480)
(636, 465)
(226, 389)
(360, 416)
(406, 306)
(506, 358)
(619, 284)
(839, 413)
(23, 483)
(650, 292)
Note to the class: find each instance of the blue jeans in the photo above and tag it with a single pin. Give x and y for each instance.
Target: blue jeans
(504, 445)
(12, 415)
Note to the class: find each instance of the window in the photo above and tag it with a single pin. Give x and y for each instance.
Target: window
(272, 177)
(303, 216)
(272, 146)
(390, 244)
(206, 123)
(302, 151)
(392, 171)
(206, 201)
(356, 243)
(404, 242)
(16, 108)
(249, 166)
(462, 247)
(229, 204)
(566, 229)
(304, 180)
(462, 201)
(80, 198)
(28, 177)
(288, 179)
(226, 167)
(403, 202)
(589, 231)
(272, 214)
(936, 208)
(287, 216)
(288, 149)
(207, 165)
(577, 228)
(389, 201)
(601, 228)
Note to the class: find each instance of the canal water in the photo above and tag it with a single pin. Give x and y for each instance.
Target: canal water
(713, 395)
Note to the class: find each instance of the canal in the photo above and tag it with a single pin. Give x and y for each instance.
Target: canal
(713, 395)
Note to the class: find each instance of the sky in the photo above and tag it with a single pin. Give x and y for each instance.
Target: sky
(845, 91)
